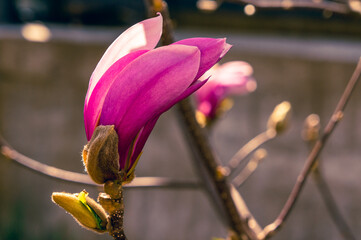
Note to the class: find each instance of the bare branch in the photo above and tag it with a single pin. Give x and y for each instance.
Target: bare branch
(251, 166)
(231, 203)
(251, 146)
(139, 182)
(333, 6)
(331, 204)
(312, 158)
(310, 134)
(68, 176)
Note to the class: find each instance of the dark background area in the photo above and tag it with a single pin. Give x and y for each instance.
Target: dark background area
(228, 16)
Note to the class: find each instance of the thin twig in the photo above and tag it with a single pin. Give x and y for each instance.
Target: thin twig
(43, 169)
(250, 168)
(336, 7)
(161, 183)
(250, 146)
(112, 202)
(310, 134)
(312, 158)
(138, 183)
(331, 205)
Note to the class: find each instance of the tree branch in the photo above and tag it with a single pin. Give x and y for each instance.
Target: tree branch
(250, 168)
(310, 134)
(312, 158)
(250, 147)
(239, 219)
(336, 7)
(140, 182)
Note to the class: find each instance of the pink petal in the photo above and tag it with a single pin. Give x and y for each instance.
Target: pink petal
(141, 36)
(146, 130)
(141, 140)
(194, 87)
(93, 107)
(212, 50)
(235, 77)
(146, 88)
(233, 73)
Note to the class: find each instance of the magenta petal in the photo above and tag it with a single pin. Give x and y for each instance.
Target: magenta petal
(94, 104)
(141, 140)
(233, 73)
(194, 87)
(146, 130)
(212, 50)
(144, 35)
(146, 88)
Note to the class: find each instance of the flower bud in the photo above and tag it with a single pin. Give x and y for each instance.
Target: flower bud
(100, 155)
(280, 117)
(224, 106)
(311, 129)
(87, 212)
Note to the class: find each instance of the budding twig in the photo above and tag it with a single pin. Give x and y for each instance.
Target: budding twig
(7, 151)
(310, 135)
(251, 146)
(250, 168)
(331, 204)
(316, 150)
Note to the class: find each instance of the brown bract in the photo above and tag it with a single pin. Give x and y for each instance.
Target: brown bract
(100, 155)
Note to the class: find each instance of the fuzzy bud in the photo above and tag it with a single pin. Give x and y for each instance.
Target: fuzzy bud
(86, 211)
(280, 117)
(311, 129)
(100, 155)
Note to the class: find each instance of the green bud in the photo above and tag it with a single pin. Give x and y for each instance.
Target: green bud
(86, 211)
(100, 155)
(280, 117)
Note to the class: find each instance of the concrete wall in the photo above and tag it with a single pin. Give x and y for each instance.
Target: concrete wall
(42, 88)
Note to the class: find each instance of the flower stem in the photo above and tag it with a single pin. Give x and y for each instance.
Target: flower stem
(229, 201)
(112, 202)
(116, 221)
(250, 168)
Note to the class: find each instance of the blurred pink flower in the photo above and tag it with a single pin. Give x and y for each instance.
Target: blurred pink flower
(134, 83)
(232, 78)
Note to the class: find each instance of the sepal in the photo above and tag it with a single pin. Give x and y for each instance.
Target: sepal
(100, 155)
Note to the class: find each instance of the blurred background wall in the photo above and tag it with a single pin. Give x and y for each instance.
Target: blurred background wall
(306, 60)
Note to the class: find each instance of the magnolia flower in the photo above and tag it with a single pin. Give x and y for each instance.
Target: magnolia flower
(232, 78)
(134, 83)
